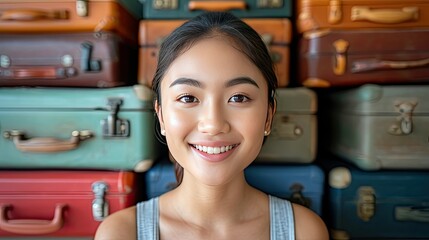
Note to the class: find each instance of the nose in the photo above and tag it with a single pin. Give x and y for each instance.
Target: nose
(213, 120)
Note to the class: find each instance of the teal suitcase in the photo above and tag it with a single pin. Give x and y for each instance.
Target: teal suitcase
(293, 137)
(175, 9)
(77, 128)
(381, 127)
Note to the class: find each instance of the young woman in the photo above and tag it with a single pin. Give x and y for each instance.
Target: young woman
(215, 88)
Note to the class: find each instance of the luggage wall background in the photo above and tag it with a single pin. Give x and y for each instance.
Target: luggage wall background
(349, 139)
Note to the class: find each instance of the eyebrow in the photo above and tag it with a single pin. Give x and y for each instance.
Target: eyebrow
(230, 83)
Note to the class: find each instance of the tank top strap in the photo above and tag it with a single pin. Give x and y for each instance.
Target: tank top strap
(282, 224)
(148, 220)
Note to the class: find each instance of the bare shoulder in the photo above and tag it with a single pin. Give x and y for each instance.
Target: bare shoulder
(308, 225)
(119, 225)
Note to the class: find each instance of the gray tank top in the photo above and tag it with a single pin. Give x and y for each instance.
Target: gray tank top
(282, 225)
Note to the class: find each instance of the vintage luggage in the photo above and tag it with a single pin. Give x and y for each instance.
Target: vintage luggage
(354, 57)
(354, 14)
(61, 203)
(66, 60)
(80, 128)
(293, 135)
(38, 16)
(174, 9)
(277, 34)
(377, 204)
(302, 184)
(378, 127)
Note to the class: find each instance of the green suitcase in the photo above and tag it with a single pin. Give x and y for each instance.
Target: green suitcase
(79, 128)
(293, 137)
(381, 127)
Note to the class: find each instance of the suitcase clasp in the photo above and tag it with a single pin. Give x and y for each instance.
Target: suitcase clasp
(113, 126)
(165, 4)
(270, 3)
(82, 8)
(100, 207)
(366, 203)
(404, 124)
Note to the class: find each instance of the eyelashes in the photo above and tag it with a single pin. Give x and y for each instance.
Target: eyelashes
(235, 98)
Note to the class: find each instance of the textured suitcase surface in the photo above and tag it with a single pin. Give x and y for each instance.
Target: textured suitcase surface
(61, 203)
(277, 34)
(70, 59)
(379, 127)
(353, 14)
(293, 135)
(174, 9)
(37, 16)
(354, 57)
(301, 184)
(378, 205)
(77, 128)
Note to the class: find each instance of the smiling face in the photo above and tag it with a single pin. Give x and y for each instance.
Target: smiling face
(214, 110)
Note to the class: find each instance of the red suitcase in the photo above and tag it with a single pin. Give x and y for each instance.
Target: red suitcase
(61, 203)
(353, 57)
(66, 60)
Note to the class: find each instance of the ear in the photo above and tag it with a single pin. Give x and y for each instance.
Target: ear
(158, 111)
(270, 115)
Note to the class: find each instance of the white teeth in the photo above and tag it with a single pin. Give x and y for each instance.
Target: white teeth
(214, 150)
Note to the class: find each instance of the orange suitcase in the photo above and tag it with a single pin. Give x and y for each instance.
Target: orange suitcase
(277, 34)
(36, 16)
(353, 14)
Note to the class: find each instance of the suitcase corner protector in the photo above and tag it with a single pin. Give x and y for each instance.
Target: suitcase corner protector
(143, 165)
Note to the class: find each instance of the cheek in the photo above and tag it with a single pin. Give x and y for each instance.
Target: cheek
(177, 122)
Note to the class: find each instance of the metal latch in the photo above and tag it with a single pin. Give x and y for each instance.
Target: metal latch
(165, 4)
(113, 126)
(335, 12)
(366, 203)
(297, 196)
(82, 8)
(270, 3)
(87, 64)
(404, 124)
(285, 129)
(100, 207)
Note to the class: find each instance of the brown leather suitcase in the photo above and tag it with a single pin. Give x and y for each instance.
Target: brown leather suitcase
(353, 57)
(35, 16)
(276, 33)
(67, 60)
(353, 14)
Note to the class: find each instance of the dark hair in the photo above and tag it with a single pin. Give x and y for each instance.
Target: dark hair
(209, 24)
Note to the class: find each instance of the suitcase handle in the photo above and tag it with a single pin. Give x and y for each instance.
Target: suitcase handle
(38, 73)
(376, 64)
(46, 145)
(216, 5)
(31, 226)
(416, 214)
(387, 16)
(33, 15)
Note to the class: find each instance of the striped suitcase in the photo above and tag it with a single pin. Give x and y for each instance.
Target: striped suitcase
(61, 203)
(77, 128)
(377, 204)
(174, 9)
(293, 137)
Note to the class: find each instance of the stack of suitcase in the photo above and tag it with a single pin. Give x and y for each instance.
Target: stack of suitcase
(373, 55)
(76, 126)
(288, 153)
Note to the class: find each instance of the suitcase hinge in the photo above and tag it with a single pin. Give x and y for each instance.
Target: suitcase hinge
(86, 63)
(165, 4)
(100, 207)
(82, 8)
(297, 196)
(113, 126)
(366, 203)
(340, 62)
(404, 124)
(335, 12)
(270, 3)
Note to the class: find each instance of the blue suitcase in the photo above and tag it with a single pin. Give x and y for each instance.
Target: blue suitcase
(110, 128)
(302, 184)
(184, 9)
(378, 204)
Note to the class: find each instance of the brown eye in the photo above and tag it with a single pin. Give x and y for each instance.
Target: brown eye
(188, 99)
(239, 98)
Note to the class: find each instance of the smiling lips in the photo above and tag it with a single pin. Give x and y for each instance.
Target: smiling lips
(214, 150)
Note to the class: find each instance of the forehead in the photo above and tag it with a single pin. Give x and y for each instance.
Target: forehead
(213, 59)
